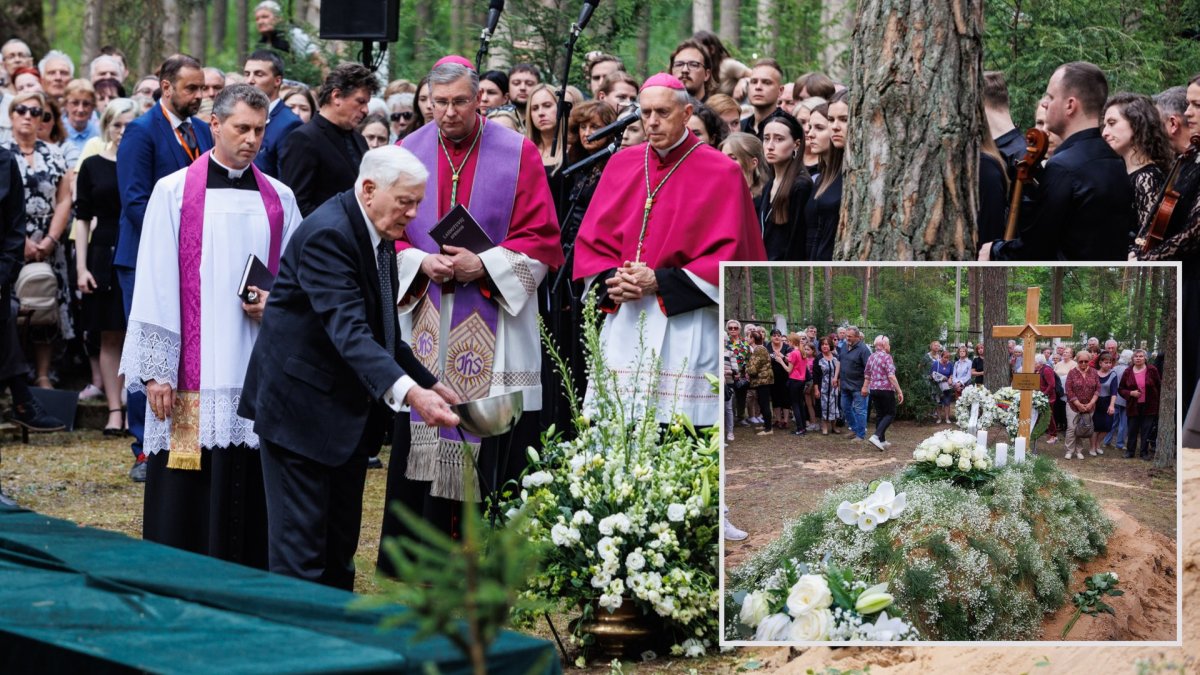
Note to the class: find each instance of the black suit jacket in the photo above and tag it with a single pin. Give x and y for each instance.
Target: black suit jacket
(319, 370)
(1084, 191)
(316, 163)
(12, 227)
(281, 122)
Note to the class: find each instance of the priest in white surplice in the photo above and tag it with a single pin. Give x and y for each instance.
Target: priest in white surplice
(190, 336)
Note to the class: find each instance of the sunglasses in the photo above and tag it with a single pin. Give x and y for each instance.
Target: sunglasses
(397, 116)
(26, 110)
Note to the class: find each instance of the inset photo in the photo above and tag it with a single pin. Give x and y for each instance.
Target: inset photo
(950, 453)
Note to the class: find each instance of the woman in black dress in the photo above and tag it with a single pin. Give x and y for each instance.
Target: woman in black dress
(823, 209)
(782, 205)
(1133, 129)
(97, 212)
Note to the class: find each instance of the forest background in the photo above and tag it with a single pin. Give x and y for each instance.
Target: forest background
(1143, 46)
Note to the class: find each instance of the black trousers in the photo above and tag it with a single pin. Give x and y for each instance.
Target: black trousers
(884, 401)
(314, 515)
(1140, 427)
(799, 411)
(764, 405)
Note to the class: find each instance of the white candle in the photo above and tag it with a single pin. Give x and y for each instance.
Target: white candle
(1019, 450)
(981, 438)
(1001, 454)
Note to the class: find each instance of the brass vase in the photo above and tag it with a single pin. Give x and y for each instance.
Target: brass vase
(624, 632)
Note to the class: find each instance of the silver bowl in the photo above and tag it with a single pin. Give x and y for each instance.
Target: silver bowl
(491, 416)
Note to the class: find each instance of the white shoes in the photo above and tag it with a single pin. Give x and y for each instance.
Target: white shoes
(767, 432)
(729, 437)
(732, 533)
(874, 440)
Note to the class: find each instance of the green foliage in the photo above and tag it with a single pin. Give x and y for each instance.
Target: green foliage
(967, 564)
(911, 309)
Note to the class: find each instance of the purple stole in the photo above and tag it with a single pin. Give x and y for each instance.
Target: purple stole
(471, 345)
(185, 415)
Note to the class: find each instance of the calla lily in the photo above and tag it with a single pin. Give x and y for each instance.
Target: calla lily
(884, 629)
(881, 510)
(899, 504)
(874, 599)
(867, 522)
(847, 513)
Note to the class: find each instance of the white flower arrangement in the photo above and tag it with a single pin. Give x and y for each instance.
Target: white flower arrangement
(882, 505)
(803, 604)
(631, 511)
(987, 407)
(1008, 408)
(953, 455)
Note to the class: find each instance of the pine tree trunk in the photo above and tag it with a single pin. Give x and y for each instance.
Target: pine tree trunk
(313, 17)
(1164, 455)
(787, 294)
(731, 23)
(1056, 292)
(93, 27)
(1153, 307)
(866, 290)
(994, 284)
(220, 25)
(171, 28)
(197, 32)
(771, 290)
(749, 285)
(702, 15)
(1139, 303)
(812, 294)
(456, 25)
(829, 296)
(912, 162)
(768, 27)
(973, 302)
(25, 19)
(838, 16)
(645, 13)
(242, 21)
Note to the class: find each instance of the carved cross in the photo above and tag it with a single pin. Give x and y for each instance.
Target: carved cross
(1027, 379)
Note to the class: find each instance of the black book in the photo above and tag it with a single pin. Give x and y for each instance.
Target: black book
(460, 229)
(255, 274)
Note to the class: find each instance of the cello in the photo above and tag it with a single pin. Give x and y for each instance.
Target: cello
(1036, 144)
(1170, 197)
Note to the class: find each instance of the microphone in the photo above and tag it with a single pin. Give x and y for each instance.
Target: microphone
(633, 115)
(585, 14)
(495, 7)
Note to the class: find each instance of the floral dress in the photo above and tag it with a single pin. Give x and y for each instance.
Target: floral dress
(41, 181)
(829, 393)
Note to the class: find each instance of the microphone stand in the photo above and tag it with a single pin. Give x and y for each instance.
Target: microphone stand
(485, 40)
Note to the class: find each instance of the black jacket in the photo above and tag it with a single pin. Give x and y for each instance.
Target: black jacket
(1082, 208)
(317, 163)
(319, 370)
(12, 227)
(789, 240)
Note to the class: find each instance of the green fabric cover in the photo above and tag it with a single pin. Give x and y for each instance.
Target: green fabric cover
(82, 600)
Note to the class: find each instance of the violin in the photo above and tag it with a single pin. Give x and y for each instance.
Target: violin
(1170, 197)
(1037, 142)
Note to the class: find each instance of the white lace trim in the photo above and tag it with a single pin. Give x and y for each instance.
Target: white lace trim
(220, 426)
(151, 353)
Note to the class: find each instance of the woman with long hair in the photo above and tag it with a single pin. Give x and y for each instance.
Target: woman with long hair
(707, 125)
(747, 150)
(784, 198)
(802, 111)
(97, 212)
(1134, 130)
(993, 187)
(541, 127)
(825, 373)
(824, 208)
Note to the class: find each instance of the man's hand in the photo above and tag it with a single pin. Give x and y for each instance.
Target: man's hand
(432, 407)
(447, 394)
(255, 310)
(467, 266)
(636, 280)
(614, 289)
(439, 268)
(161, 398)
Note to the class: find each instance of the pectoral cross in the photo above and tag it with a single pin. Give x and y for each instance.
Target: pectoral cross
(1027, 380)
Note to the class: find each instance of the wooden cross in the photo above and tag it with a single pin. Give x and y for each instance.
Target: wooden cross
(1027, 380)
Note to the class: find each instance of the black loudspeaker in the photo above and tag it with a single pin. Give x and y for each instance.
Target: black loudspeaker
(361, 20)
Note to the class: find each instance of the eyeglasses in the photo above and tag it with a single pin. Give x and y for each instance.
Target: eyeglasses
(397, 116)
(26, 110)
(458, 103)
(688, 65)
(733, 328)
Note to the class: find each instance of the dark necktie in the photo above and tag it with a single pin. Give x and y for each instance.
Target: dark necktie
(386, 258)
(189, 138)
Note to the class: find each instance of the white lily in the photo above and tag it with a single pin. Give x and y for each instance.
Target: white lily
(849, 512)
(867, 522)
(884, 629)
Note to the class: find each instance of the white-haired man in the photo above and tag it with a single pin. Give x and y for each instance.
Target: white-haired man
(330, 368)
(57, 69)
(106, 67)
(203, 481)
(471, 315)
(665, 214)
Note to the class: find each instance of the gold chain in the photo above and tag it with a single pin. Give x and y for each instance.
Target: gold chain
(454, 173)
(651, 195)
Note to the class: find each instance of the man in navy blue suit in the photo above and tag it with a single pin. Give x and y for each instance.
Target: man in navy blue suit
(167, 138)
(264, 70)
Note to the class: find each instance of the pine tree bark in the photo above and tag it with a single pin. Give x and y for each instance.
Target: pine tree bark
(93, 10)
(994, 284)
(25, 19)
(242, 16)
(1153, 307)
(828, 296)
(768, 26)
(912, 163)
(771, 290)
(838, 15)
(197, 32)
(973, 301)
(1139, 305)
(731, 23)
(866, 291)
(1164, 454)
(171, 28)
(787, 295)
(702, 15)
(645, 14)
(220, 25)
(749, 285)
(812, 294)
(1056, 291)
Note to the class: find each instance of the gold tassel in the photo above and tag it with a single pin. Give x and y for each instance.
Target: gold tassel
(187, 461)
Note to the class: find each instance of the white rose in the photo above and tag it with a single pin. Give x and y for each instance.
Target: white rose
(981, 464)
(918, 455)
(606, 525)
(675, 512)
(755, 608)
(559, 535)
(537, 479)
(582, 518)
(944, 461)
(774, 627)
(809, 593)
(812, 627)
(980, 453)
(964, 464)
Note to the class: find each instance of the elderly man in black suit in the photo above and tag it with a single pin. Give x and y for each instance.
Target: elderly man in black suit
(329, 369)
(321, 158)
(1083, 206)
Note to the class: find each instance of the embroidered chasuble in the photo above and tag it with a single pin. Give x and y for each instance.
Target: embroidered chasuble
(186, 326)
(701, 215)
(480, 338)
